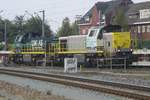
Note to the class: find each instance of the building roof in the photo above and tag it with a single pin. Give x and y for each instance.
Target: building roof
(134, 10)
(104, 7)
(99, 5)
(138, 6)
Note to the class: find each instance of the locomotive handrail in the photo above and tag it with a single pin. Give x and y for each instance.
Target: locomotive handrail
(54, 48)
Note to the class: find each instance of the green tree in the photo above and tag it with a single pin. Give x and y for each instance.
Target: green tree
(75, 28)
(19, 23)
(120, 19)
(34, 25)
(20, 26)
(1, 47)
(10, 30)
(65, 29)
(1, 29)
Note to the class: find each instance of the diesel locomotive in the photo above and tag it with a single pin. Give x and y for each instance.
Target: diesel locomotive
(100, 42)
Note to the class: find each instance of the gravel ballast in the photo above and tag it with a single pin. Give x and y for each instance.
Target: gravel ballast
(134, 79)
(63, 91)
(9, 91)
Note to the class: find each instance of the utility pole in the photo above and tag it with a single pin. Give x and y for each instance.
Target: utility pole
(5, 35)
(43, 34)
(43, 21)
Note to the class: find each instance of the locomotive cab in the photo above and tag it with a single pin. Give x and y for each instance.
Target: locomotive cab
(110, 38)
(92, 38)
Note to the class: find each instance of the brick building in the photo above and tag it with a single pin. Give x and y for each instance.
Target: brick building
(101, 13)
(139, 22)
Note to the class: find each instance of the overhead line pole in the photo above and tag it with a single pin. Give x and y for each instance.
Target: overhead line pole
(43, 21)
(43, 33)
(5, 35)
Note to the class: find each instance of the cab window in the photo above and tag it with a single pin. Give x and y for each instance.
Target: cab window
(93, 33)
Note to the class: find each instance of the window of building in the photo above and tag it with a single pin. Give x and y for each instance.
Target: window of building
(144, 13)
(133, 16)
(83, 31)
(108, 44)
(144, 28)
(132, 29)
(87, 19)
(136, 29)
(139, 29)
(148, 28)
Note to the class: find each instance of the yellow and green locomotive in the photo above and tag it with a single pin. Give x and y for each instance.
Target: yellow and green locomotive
(100, 42)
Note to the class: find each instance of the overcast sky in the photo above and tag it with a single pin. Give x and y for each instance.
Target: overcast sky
(56, 10)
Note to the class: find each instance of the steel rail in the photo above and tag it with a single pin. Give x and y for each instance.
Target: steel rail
(83, 79)
(131, 91)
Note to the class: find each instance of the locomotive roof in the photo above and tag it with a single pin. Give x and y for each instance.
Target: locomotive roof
(6, 52)
(72, 36)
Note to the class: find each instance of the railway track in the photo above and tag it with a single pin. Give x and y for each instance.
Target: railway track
(126, 90)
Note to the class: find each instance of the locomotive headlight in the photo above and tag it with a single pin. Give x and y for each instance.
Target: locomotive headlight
(131, 49)
(118, 50)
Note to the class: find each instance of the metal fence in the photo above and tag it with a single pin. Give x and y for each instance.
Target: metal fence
(112, 62)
